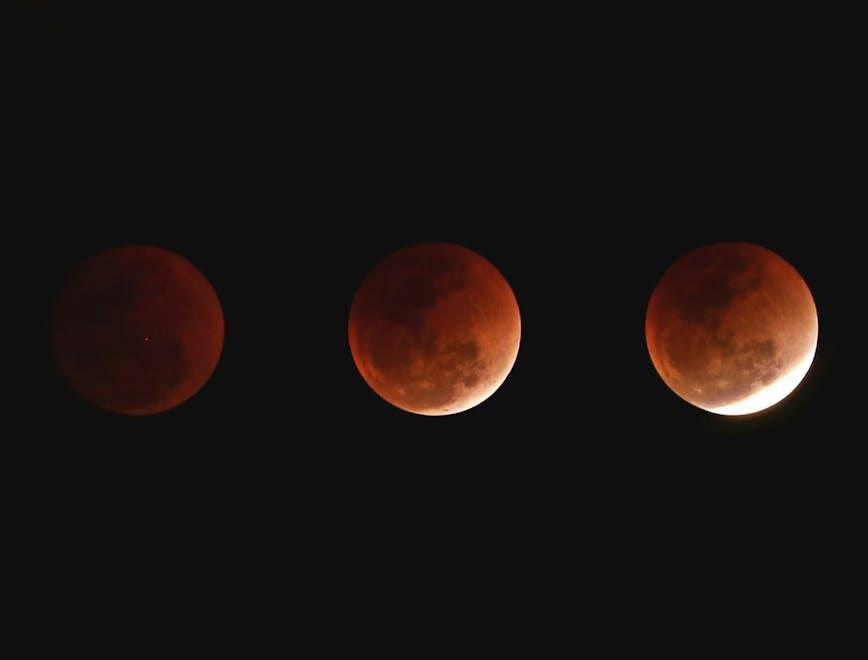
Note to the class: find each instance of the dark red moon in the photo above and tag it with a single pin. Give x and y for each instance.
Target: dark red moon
(434, 329)
(732, 328)
(137, 330)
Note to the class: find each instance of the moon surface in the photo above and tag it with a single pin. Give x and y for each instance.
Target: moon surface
(137, 330)
(732, 328)
(434, 329)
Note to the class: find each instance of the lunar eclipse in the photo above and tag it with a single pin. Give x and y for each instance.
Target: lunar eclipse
(137, 330)
(434, 329)
(732, 328)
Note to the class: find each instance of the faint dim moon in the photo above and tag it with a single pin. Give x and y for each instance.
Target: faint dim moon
(434, 329)
(732, 328)
(137, 330)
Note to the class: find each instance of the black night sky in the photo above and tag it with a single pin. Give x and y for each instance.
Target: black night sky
(285, 151)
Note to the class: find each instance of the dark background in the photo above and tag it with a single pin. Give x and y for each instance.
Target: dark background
(285, 151)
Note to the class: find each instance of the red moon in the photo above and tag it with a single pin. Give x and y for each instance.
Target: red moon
(137, 330)
(732, 328)
(434, 329)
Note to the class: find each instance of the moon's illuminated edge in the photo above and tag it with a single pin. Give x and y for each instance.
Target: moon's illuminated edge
(773, 393)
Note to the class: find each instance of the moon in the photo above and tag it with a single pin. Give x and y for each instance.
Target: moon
(137, 330)
(732, 328)
(434, 329)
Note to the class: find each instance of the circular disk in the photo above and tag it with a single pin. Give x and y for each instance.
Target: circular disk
(137, 330)
(434, 329)
(731, 328)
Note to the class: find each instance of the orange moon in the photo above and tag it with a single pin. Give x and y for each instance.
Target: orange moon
(137, 330)
(434, 329)
(732, 328)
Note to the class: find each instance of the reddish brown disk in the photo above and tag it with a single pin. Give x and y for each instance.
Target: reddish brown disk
(732, 328)
(434, 329)
(137, 330)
